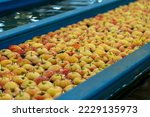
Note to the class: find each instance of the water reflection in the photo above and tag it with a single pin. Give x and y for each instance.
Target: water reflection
(141, 92)
(40, 12)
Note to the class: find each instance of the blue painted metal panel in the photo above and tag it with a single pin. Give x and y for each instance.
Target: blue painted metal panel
(4, 1)
(106, 83)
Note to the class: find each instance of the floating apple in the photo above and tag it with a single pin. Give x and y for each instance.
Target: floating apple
(5, 96)
(40, 79)
(32, 90)
(45, 85)
(53, 91)
(17, 49)
(41, 95)
(22, 96)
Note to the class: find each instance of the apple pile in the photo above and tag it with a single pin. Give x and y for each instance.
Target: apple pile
(49, 65)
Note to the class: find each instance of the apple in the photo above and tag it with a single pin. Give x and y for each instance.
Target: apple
(99, 63)
(69, 87)
(21, 61)
(22, 96)
(74, 67)
(70, 53)
(57, 95)
(32, 75)
(82, 63)
(32, 90)
(31, 53)
(38, 69)
(62, 83)
(64, 71)
(95, 56)
(53, 91)
(33, 58)
(73, 75)
(78, 80)
(42, 51)
(12, 66)
(28, 83)
(41, 95)
(45, 64)
(53, 60)
(10, 85)
(87, 59)
(114, 51)
(40, 79)
(24, 46)
(48, 73)
(3, 58)
(63, 56)
(100, 52)
(5, 52)
(28, 67)
(8, 74)
(72, 59)
(3, 81)
(37, 45)
(5, 62)
(3, 70)
(86, 52)
(57, 49)
(5, 96)
(45, 85)
(19, 79)
(45, 56)
(48, 46)
(62, 63)
(90, 46)
(55, 68)
(123, 54)
(122, 48)
(20, 71)
(53, 52)
(14, 56)
(88, 75)
(92, 67)
(51, 34)
(105, 59)
(12, 91)
(97, 70)
(76, 45)
(17, 49)
(56, 77)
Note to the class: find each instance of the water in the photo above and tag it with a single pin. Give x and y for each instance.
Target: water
(35, 14)
(141, 92)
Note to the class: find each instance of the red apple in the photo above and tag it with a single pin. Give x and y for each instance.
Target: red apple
(64, 71)
(41, 95)
(40, 79)
(24, 46)
(17, 49)
(48, 73)
(48, 46)
(3, 58)
(32, 90)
